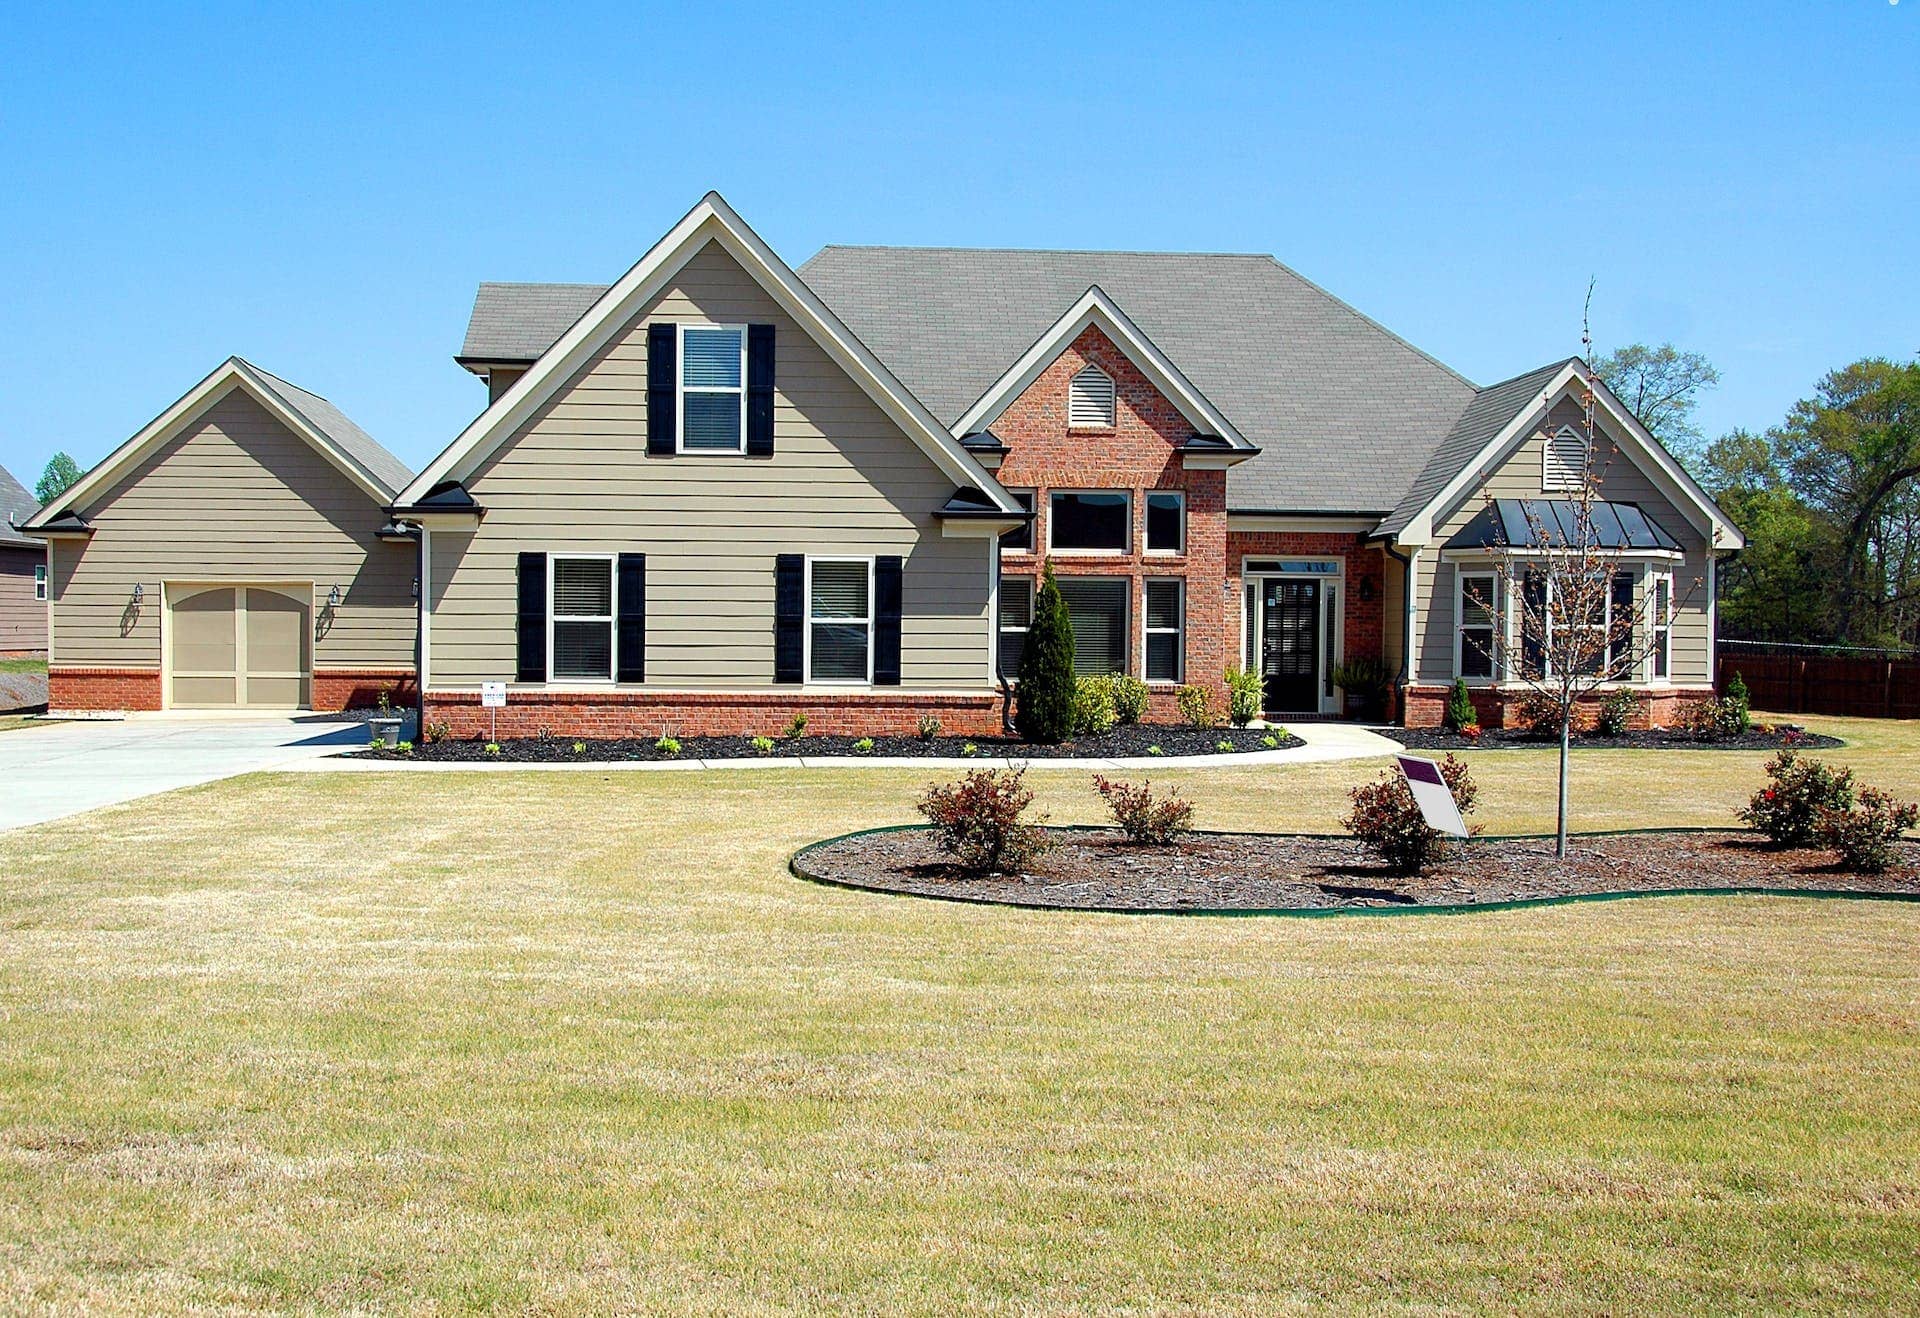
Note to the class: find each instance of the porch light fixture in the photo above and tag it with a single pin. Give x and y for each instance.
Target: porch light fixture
(333, 597)
(139, 592)
(1366, 588)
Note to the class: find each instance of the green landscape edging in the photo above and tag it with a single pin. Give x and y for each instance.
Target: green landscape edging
(1318, 912)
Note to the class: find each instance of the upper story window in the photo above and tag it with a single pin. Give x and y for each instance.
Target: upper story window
(1563, 460)
(1166, 522)
(39, 581)
(1090, 400)
(1020, 539)
(713, 396)
(1090, 521)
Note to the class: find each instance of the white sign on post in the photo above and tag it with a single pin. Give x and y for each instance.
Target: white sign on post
(1431, 794)
(493, 695)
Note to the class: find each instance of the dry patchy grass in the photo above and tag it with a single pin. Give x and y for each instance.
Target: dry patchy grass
(577, 1041)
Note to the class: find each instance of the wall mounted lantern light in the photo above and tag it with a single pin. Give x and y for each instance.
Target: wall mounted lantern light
(139, 592)
(333, 597)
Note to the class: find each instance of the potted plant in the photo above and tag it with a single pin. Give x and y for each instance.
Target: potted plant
(1364, 683)
(383, 729)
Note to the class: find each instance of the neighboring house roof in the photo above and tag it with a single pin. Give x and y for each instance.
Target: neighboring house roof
(16, 506)
(1489, 412)
(518, 322)
(712, 220)
(308, 415)
(1555, 524)
(1345, 412)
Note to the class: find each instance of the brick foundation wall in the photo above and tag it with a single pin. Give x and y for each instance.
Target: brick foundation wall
(103, 688)
(360, 688)
(746, 713)
(1426, 706)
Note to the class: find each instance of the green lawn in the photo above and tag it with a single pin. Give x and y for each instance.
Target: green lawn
(577, 1041)
(23, 665)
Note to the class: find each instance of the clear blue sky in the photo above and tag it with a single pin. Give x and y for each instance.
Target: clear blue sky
(321, 191)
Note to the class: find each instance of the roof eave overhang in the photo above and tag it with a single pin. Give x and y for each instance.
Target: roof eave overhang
(482, 366)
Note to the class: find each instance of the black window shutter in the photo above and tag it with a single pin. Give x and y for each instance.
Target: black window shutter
(632, 638)
(760, 391)
(886, 621)
(789, 616)
(663, 347)
(531, 665)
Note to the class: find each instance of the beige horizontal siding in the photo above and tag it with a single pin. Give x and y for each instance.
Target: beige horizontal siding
(1622, 481)
(23, 619)
(843, 480)
(235, 496)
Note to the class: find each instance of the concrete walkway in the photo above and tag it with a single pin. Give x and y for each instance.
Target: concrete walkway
(64, 768)
(1324, 742)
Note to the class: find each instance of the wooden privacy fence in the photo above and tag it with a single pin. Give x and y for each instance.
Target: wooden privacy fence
(1861, 685)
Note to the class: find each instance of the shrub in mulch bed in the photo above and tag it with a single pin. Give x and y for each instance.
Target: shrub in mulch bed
(1098, 869)
(1122, 741)
(1640, 739)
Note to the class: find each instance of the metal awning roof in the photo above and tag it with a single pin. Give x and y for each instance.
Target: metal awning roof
(1555, 524)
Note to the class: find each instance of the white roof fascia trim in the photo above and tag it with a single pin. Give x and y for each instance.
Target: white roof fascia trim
(1096, 308)
(229, 374)
(1700, 511)
(711, 220)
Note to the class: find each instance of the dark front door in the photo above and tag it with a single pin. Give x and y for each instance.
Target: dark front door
(1290, 645)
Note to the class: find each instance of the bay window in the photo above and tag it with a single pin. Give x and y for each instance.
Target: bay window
(1660, 625)
(1478, 614)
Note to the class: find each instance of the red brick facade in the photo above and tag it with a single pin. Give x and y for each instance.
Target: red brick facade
(138, 689)
(360, 688)
(1363, 616)
(1426, 706)
(638, 713)
(1137, 454)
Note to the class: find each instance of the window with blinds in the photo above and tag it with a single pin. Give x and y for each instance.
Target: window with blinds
(1090, 400)
(839, 620)
(582, 616)
(1097, 607)
(712, 389)
(1016, 618)
(1164, 621)
(1477, 621)
(1564, 460)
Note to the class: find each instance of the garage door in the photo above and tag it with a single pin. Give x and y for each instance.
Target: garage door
(239, 647)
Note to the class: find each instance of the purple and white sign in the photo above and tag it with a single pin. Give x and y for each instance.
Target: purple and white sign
(1431, 794)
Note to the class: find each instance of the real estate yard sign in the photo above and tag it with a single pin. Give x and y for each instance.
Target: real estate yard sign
(493, 695)
(1431, 794)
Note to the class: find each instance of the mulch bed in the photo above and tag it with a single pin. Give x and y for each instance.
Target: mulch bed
(1131, 740)
(1644, 739)
(1099, 870)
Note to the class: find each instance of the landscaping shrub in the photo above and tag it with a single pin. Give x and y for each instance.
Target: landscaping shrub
(1129, 697)
(864, 746)
(1739, 705)
(1386, 818)
(1616, 714)
(1789, 809)
(1867, 832)
(1538, 716)
(929, 727)
(668, 746)
(1043, 706)
(796, 727)
(1246, 694)
(1093, 711)
(1146, 819)
(1711, 720)
(1460, 711)
(978, 820)
(1198, 706)
(762, 745)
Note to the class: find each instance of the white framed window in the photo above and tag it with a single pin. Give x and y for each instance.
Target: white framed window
(1164, 617)
(1090, 521)
(1020, 539)
(1016, 619)
(39, 581)
(1609, 644)
(1477, 612)
(839, 620)
(1563, 460)
(1090, 400)
(580, 617)
(713, 389)
(1660, 624)
(1166, 522)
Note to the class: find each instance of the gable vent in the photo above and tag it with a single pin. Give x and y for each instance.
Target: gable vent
(1563, 462)
(1090, 399)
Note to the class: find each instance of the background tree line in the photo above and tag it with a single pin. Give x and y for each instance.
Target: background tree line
(1829, 499)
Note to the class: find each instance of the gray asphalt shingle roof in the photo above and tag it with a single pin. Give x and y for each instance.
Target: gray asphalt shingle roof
(1484, 417)
(518, 322)
(17, 504)
(330, 421)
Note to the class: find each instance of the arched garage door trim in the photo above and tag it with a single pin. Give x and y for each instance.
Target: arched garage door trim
(237, 645)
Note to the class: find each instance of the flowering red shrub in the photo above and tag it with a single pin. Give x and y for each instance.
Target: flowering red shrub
(1788, 810)
(978, 820)
(1386, 817)
(1867, 832)
(1146, 819)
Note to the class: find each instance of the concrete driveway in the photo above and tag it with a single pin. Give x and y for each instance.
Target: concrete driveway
(64, 768)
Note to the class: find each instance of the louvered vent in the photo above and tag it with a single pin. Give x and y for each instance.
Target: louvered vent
(1090, 399)
(1564, 461)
